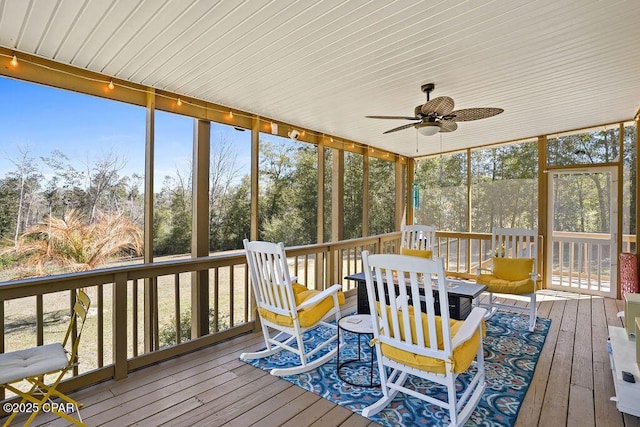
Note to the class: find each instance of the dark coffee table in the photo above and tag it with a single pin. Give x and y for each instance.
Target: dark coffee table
(461, 296)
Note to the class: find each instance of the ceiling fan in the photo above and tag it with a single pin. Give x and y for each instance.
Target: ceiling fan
(437, 115)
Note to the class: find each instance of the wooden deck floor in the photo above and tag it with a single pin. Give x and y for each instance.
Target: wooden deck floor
(212, 387)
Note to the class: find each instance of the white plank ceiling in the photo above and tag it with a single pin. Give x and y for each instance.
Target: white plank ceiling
(553, 65)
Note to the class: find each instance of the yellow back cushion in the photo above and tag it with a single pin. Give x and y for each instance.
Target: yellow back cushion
(424, 253)
(512, 269)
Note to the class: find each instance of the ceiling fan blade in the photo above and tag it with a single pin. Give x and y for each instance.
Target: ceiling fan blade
(401, 127)
(440, 106)
(393, 117)
(469, 114)
(447, 125)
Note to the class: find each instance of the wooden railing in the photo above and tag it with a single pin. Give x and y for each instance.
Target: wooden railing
(140, 313)
(583, 261)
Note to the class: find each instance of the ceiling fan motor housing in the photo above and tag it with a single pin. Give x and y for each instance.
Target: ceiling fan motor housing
(428, 87)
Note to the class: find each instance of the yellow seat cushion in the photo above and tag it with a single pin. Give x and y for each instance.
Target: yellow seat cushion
(510, 276)
(501, 286)
(307, 316)
(462, 356)
(423, 253)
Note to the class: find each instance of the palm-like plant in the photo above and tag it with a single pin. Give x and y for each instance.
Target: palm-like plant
(77, 245)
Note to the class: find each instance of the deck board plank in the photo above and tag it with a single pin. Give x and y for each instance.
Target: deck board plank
(581, 369)
(256, 414)
(556, 400)
(532, 404)
(311, 414)
(581, 412)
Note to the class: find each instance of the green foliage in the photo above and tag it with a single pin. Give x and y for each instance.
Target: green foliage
(9, 206)
(172, 217)
(584, 148)
(288, 192)
(235, 220)
(168, 336)
(503, 189)
(8, 259)
(353, 195)
(381, 197)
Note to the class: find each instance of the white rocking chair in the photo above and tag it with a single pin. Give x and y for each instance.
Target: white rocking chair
(513, 270)
(418, 240)
(289, 308)
(437, 349)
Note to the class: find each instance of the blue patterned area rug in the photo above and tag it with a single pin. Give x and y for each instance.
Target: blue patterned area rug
(511, 353)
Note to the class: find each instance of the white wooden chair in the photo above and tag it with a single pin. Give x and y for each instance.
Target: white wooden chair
(514, 263)
(438, 348)
(288, 308)
(32, 364)
(418, 240)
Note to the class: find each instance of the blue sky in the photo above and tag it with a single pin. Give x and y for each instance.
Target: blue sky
(83, 127)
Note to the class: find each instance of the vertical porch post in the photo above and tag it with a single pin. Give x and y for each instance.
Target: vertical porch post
(337, 213)
(365, 193)
(150, 294)
(320, 256)
(200, 227)
(619, 232)
(543, 217)
(400, 193)
(411, 169)
(255, 157)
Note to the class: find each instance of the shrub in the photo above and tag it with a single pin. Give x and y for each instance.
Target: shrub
(168, 331)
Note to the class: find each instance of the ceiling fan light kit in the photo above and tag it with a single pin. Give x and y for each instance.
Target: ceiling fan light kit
(437, 115)
(429, 129)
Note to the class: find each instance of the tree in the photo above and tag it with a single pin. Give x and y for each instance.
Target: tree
(27, 179)
(353, 195)
(104, 181)
(76, 244)
(276, 171)
(236, 222)
(8, 207)
(381, 197)
(172, 216)
(303, 195)
(65, 190)
(224, 172)
(442, 184)
(504, 187)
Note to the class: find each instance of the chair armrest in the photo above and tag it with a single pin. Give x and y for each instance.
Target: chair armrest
(485, 270)
(320, 296)
(470, 326)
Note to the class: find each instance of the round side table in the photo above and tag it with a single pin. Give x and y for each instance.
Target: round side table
(359, 324)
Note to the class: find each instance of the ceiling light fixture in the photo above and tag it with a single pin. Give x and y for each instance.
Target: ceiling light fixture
(429, 129)
(179, 102)
(14, 61)
(111, 85)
